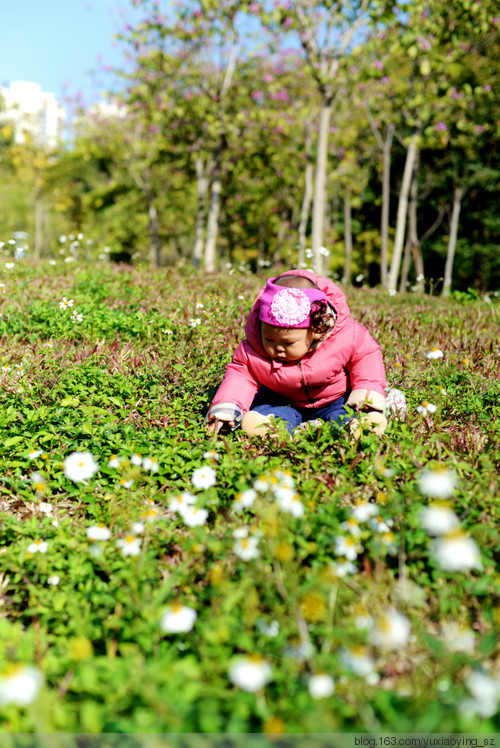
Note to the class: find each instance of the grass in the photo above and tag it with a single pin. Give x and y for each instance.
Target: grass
(135, 376)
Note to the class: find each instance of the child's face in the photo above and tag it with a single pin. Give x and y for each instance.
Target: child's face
(287, 344)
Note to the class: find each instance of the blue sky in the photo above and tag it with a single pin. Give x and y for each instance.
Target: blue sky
(57, 43)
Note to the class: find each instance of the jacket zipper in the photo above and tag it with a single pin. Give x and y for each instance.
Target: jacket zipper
(304, 381)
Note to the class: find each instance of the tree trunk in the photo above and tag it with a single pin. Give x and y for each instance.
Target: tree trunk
(304, 213)
(402, 211)
(154, 233)
(201, 191)
(452, 241)
(346, 278)
(386, 186)
(209, 260)
(406, 266)
(318, 215)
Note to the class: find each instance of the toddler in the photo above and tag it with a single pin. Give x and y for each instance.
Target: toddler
(303, 359)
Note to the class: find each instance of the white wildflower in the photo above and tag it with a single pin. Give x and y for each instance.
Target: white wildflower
(347, 547)
(182, 501)
(458, 638)
(434, 353)
(178, 619)
(425, 408)
(437, 483)
(45, 507)
(39, 546)
(321, 686)
(363, 510)
(390, 630)
(66, 303)
(358, 661)
(98, 532)
(247, 548)
(250, 673)
(80, 466)
(438, 518)
(130, 545)
(456, 551)
(151, 464)
(244, 499)
(54, 580)
(20, 685)
(204, 477)
(193, 516)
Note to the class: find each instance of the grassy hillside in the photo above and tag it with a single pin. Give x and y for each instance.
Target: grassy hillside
(406, 632)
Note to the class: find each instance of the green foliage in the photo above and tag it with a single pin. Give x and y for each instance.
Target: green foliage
(132, 380)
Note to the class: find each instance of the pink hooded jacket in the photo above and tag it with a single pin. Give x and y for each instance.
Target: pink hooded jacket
(349, 359)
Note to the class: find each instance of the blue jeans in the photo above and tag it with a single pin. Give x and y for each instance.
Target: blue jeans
(269, 403)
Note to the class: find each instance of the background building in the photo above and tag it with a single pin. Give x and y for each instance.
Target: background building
(32, 110)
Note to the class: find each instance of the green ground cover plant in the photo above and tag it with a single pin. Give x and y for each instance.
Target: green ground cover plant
(153, 579)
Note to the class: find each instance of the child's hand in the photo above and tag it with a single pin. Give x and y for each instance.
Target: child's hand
(215, 425)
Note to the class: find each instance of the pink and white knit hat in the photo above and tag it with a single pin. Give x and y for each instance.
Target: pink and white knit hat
(282, 306)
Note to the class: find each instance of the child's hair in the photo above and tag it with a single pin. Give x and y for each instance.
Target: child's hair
(322, 315)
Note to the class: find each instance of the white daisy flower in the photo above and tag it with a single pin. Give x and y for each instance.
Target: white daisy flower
(126, 483)
(151, 464)
(193, 516)
(438, 518)
(458, 638)
(137, 528)
(247, 548)
(194, 322)
(261, 484)
(321, 686)
(45, 507)
(293, 505)
(244, 499)
(426, 407)
(456, 551)
(271, 629)
(178, 619)
(347, 547)
(39, 546)
(240, 532)
(204, 477)
(66, 303)
(250, 673)
(182, 501)
(381, 525)
(80, 466)
(167, 331)
(39, 483)
(363, 510)
(136, 459)
(98, 532)
(130, 545)
(351, 526)
(485, 692)
(54, 580)
(390, 630)
(341, 569)
(114, 461)
(434, 353)
(358, 661)
(437, 483)
(20, 685)
(9, 265)
(34, 454)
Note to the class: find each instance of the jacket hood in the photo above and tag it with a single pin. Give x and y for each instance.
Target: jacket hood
(333, 293)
